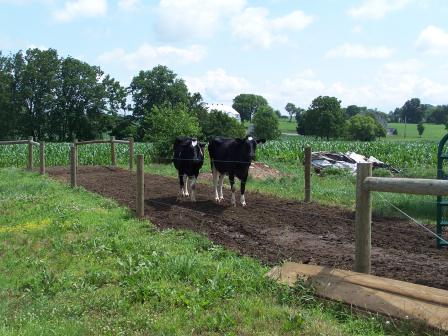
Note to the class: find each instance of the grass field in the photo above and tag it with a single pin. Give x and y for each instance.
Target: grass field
(288, 127)
(73, 263)
(432, 132)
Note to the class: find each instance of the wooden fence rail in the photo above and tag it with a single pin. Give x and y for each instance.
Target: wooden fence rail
(113, 154)
(365, 184)
(30, 142)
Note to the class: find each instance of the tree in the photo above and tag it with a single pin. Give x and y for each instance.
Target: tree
(292, 110)
(324, 118)
(167, 122)
(266, 125)
(157, 87)
(352, 110)
(218, 123)
(8, 118)
(364, 128)
(412, 111)
(439, 115)
(420, 129)
(248, 104)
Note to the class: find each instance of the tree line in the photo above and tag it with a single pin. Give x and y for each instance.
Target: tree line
(57, 98)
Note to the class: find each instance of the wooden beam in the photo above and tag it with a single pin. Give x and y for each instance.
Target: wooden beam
(124, 142)
(73, 154)
(92, 142)
(30, 153)
(363, 220)
(42, 157)
(14, 142)
(407, 185)
(113, 159)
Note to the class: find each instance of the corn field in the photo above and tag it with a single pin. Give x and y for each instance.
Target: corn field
(411, 154)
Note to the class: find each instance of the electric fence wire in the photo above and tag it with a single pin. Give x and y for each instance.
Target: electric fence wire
(413, 219)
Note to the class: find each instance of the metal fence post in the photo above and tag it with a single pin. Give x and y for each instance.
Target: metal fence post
(131, 153)
(308, 174)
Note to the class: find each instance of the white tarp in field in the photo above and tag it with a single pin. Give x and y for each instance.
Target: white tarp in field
(349, 160)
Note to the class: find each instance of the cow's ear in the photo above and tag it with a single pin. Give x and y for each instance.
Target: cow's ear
(261, 141)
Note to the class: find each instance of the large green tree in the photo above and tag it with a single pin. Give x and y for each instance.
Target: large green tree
(56, 98)
(248, 104)
(266, 125)
(217, 123)
(157, 87)
(324, 118)
(412, 111)
(292, 110)
(364, 128)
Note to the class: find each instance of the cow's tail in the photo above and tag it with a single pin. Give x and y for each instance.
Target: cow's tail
(212, 165)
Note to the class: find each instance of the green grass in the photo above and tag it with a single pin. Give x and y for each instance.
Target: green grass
(74, 263)
(432, 132)
(288, 127)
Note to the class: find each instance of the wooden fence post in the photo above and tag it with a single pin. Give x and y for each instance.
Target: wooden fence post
(308, 174)
(42, 157)
(363, 220)
(140, 187)
(73, 155)
(131, 153)
(112, 151)
(75, 143)
(30, 153)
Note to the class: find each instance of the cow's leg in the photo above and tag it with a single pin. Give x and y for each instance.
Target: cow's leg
(193, 188)
(186, 194)
(243, 189)
(220, 182)
(181, 183)
(232, 187)
(215, 183)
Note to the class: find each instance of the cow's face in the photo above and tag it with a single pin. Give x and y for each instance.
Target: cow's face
(197, 149)
(251, 145)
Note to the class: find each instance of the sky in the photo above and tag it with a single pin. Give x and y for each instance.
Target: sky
(374, 53)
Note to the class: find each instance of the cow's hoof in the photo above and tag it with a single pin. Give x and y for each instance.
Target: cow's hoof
(221, 198)
(244, 204)
(217, 199)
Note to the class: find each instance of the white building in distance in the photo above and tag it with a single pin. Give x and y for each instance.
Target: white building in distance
(229, 110)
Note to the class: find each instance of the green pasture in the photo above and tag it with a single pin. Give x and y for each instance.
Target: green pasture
(288, 127)
(432, 132)
(74, 263)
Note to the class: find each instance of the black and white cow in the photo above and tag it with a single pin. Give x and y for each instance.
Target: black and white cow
(188, 157)
(231, 157)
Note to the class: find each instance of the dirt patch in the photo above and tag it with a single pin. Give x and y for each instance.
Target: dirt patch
(274, 230)
(257, 170)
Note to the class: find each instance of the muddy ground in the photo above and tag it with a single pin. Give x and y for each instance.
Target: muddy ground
(273, 230)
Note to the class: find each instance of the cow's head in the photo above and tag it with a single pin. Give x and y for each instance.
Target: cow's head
(197, 149)
(250, 144)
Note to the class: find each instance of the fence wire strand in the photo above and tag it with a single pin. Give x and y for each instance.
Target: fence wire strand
(412, 219)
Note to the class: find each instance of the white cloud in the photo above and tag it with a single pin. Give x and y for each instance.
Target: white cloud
(184, 19)
(216, 86)
(80, 9)
(377, 9)
(129, 4)
(255, 27)
(148, 56)
(348, 50)
(433, 40)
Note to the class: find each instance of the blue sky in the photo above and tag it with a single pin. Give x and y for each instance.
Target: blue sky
(375, 53)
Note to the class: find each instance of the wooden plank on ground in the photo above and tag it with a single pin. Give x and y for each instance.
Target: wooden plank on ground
(386, 296)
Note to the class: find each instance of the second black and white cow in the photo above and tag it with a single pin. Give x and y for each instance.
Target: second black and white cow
(231, 157)
(188, 157)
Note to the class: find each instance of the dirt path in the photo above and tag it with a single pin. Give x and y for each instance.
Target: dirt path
(274, 230)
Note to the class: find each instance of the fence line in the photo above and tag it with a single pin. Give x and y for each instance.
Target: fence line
(30, 142)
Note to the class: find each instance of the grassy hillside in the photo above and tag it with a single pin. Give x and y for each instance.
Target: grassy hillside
(288, 127)
(432, 132)
(73, 263)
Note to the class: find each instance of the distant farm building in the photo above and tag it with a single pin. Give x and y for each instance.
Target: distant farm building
(229, 110)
